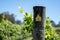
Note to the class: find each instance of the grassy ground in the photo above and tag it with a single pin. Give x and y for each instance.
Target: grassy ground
(57, 29)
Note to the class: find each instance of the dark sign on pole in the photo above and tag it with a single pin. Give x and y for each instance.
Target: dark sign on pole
(39, 23)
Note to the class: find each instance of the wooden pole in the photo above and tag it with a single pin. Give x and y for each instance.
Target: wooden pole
(39, 23)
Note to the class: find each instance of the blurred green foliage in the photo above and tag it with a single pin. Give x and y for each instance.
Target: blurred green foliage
(50, 33)
(10, 31)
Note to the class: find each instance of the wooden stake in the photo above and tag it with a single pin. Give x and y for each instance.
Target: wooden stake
(39, 23)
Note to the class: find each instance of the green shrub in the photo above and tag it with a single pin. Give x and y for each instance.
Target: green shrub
(50, 33)
(9, 31)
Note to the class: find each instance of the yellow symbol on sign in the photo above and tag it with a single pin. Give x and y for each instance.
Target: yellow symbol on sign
(38, 18)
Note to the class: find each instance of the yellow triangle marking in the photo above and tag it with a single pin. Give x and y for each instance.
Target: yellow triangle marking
(38, 18)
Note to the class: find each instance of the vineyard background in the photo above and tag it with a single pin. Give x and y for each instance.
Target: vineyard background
(15, 30)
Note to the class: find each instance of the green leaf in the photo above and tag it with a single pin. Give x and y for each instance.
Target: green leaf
(21, 11)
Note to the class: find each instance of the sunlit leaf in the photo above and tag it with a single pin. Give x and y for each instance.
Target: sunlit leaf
(21, 11)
